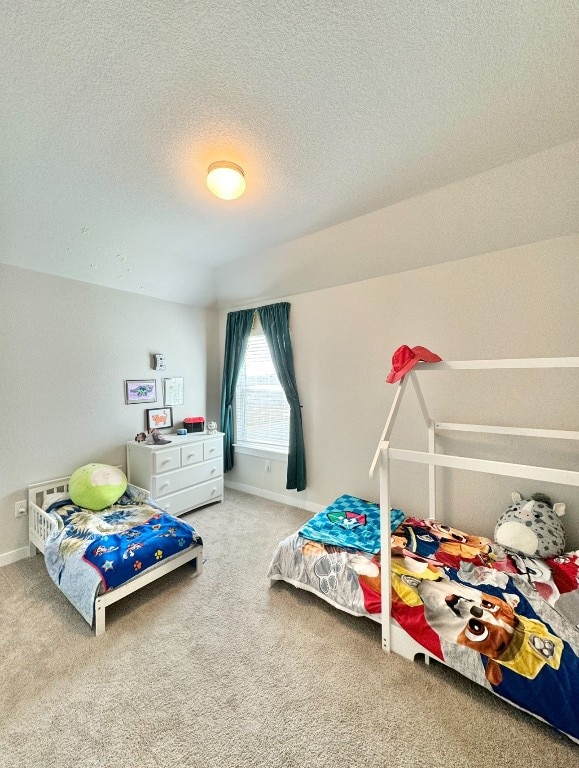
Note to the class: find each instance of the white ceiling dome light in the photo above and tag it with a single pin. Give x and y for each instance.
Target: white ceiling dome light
(226, 180)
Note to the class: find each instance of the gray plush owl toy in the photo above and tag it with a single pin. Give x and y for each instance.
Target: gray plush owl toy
(532, 526)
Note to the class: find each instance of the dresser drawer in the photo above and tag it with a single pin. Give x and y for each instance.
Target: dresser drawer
(182, 501)
(213, 449)
(170, 482)
(167, 459)
(191, 454)
(181, 475)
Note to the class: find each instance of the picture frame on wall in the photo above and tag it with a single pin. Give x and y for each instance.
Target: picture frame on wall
(173, 391)
(140, 391)
(159, 418)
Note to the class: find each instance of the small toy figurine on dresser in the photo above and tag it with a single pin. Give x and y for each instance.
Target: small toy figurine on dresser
(211, 428)
(155, 438)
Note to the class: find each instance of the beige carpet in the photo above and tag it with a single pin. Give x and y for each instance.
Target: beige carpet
(222, 671)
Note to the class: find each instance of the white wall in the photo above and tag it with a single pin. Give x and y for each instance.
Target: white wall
(66, 349)
(526, 201)
(519, 302)
(67, 346)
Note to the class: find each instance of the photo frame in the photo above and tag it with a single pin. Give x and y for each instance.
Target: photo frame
(173, 391)
(140, 391)
(159, 418)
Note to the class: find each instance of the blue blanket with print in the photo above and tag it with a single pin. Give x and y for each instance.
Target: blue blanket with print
(350, 522)
(93, 552)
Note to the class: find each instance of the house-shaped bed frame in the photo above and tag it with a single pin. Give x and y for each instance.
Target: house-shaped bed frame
(394, 638)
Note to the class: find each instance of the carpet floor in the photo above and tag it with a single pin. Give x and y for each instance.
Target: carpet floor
(224, 671)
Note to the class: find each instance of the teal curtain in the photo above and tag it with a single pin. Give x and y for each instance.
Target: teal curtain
(275, 322)
(236, 335)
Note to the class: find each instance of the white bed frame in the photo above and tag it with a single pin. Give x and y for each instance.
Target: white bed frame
(394, 638)
(41, 524)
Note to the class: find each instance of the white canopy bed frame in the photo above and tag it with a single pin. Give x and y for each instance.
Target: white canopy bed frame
(41, 524)
(394, 638)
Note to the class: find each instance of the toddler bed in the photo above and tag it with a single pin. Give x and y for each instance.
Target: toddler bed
(513, 636)
(98, 557)
(507, 624)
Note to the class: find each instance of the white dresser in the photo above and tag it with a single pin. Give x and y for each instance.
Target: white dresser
(181, 475)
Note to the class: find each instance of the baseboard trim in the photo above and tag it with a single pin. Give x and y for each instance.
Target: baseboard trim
(279, 497)
(16, 554)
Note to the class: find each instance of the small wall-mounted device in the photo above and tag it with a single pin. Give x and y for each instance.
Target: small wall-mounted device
(160, 363)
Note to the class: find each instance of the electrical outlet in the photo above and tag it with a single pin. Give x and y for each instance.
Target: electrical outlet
(20, 509)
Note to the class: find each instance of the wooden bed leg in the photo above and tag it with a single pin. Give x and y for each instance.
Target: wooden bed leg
(99, 618)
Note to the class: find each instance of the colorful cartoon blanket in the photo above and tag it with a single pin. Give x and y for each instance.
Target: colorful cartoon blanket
(349, 522)
(461, 598)
(93, 552)
(509, 624)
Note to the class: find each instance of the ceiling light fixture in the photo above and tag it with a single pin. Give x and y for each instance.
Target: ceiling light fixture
(226, 180)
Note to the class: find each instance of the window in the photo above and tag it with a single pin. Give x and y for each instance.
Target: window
(261, 409)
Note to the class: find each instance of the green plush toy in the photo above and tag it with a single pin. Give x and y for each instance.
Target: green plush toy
(96, 486)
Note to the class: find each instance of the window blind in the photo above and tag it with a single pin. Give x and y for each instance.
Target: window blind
(261, 409)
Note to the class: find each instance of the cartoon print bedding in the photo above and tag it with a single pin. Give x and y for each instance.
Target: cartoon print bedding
(92, 552)
(509, 624)
(330, 551)
(469, 604)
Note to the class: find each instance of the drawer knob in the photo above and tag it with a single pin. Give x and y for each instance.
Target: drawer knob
(213, 470)
(165, 485)
(167, 461)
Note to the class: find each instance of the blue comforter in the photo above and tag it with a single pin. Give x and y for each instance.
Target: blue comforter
(93, 552)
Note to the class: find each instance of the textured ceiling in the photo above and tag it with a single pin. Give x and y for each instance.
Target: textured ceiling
(112, 111)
